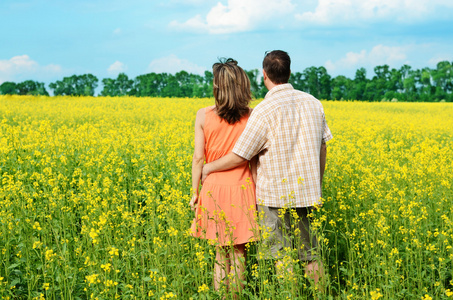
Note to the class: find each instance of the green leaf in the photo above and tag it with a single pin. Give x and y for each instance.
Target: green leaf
(13, 266)
(14, 282)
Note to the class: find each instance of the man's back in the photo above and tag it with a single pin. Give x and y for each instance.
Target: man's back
(287, 128)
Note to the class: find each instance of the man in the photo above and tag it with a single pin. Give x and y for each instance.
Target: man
(288, 132)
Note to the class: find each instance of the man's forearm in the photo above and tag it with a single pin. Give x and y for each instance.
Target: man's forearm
(322, 160)
(227, 162)
(253, 167)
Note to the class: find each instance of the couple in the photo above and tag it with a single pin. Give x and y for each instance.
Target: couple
(281, 145)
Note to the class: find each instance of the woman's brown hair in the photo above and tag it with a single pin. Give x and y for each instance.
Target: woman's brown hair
(231, 89)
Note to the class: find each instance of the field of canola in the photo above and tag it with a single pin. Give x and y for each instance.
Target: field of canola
(94, 199)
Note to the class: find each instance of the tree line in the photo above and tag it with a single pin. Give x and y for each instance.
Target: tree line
(403, 84)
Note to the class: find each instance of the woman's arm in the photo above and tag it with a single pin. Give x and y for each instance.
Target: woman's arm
(198, 156)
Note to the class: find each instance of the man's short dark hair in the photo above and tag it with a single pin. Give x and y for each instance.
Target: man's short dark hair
(277, 66)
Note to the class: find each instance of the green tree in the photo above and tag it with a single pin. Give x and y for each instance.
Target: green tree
(62, 87)
(121, 86)
(76, 85)
(317, 82)
(394, 86)
(298, 81)
(8, 88)
(30, 87)
(185, 84)
(340, 85)
(371, 92)
(87, 85)
(427, 90)
(443, 80)
(255, 88)
(171, 86)
(151, 84)
(412, 86)
(380, 83)
(109, 87)
(356, 89)
(124, 84)
(207, 84)
(405, 73)
(202, 85)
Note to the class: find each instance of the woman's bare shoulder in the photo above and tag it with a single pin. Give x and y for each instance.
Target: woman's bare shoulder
(201, 114)
(205, 109)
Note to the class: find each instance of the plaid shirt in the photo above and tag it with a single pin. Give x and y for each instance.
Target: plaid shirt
(287, 129)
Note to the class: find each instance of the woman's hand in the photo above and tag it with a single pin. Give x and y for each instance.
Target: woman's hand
(194, 202)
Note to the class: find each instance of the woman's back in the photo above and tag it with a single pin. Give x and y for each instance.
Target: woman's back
(220, 138)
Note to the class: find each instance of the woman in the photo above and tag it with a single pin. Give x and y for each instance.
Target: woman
(225, 206)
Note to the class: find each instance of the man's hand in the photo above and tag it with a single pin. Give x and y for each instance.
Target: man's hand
(226, 162)
(194, 202)
(317, 206)
(204, 173)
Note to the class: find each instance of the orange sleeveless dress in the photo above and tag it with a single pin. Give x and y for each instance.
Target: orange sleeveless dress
(226, 203)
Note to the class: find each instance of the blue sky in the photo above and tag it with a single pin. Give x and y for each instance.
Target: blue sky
(47, 40)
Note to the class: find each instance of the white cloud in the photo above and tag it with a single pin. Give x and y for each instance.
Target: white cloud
(117, 31)
(172, 64)
(237, 16)
(389, 55)
(17, 64)
(21, 66)
(356, 11)
(117, 67)
(379, 55)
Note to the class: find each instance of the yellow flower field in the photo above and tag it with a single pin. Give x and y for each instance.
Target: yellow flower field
(94, 200)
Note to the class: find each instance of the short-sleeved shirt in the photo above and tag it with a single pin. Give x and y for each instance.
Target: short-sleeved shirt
(286, 129)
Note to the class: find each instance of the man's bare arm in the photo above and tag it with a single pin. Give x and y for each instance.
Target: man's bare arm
(322, 159)
(229, 161)
(253, 167)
